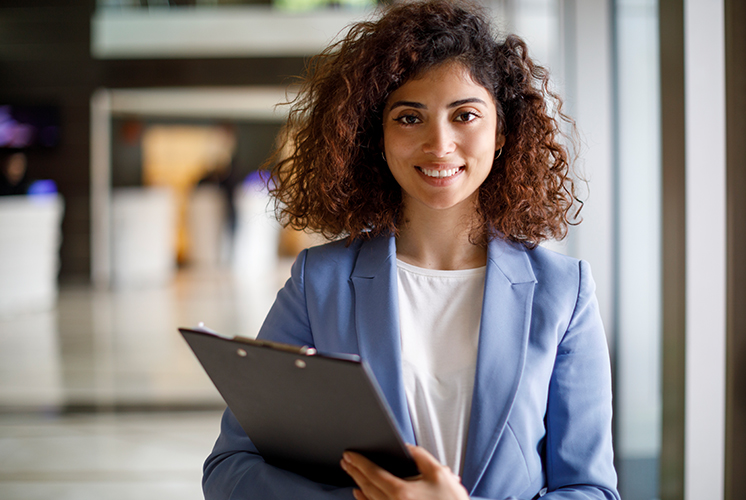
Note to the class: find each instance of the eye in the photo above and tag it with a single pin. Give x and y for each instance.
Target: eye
(408, 119)
(467, 116)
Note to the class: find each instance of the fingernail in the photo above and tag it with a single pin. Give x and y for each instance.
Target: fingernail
(346, 457)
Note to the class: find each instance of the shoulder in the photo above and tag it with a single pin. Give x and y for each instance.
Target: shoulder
(539, 264)
(336, 257)
(559, 281)
(334, 251)
(562, 276)
(553, 268)
(342, 260)
(565, 291)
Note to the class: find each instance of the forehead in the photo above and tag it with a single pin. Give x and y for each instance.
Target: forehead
(450, 80)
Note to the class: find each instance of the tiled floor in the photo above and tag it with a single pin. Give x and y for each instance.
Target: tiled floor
(104, 456)
(102, 399)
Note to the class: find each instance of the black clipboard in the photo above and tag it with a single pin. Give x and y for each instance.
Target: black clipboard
(302, 409)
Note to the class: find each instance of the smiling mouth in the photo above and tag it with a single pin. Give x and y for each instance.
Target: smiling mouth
(440, 174)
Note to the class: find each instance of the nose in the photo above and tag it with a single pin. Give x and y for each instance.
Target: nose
(439, 140)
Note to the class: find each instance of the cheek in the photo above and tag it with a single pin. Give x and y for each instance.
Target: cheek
(398, 146)
(489, 143)
(481, 148)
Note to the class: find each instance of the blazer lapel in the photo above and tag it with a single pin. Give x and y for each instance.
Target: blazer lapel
(503, 337)
(377, 323)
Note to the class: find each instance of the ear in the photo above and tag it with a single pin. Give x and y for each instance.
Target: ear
(499, 141)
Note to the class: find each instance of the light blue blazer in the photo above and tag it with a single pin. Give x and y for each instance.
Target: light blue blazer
(541, 412)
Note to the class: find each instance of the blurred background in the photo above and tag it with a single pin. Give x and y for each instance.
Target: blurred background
(131, 137)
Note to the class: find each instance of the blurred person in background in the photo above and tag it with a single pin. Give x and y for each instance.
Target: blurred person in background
(429, 146)
(13, 173)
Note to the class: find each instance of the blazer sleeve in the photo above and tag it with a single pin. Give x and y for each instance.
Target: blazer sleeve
(579, 453)
(234, 469)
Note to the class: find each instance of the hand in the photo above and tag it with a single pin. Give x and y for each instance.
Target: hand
(435, 482)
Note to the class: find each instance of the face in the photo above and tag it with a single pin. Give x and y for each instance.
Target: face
(440, 138)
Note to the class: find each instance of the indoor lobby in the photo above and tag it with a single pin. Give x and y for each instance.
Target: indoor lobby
(101, 398)
(144, 209)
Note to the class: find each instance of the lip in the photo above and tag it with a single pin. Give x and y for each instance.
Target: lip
(439, 174)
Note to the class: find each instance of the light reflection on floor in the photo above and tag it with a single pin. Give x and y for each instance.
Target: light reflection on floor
(109, 456)
(101, 397)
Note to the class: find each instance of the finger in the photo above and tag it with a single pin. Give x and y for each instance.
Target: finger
(426, 463)
(367, 467)
(373, 480)
(368, 490)
(359, 495)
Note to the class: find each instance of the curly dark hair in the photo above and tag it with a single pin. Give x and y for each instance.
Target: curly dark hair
(332, 178)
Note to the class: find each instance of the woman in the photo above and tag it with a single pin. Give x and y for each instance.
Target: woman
(428, 145)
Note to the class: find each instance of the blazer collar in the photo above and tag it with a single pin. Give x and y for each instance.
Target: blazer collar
(377, 323)
(374, 254)
(503, 340)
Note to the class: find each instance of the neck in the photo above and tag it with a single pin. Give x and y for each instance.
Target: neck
(439, 239)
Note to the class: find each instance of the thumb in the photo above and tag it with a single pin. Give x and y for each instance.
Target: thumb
(426, 463)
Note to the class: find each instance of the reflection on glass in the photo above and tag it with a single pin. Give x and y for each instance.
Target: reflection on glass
(638, 388)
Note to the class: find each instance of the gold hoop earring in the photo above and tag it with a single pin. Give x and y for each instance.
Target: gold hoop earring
(499, 152)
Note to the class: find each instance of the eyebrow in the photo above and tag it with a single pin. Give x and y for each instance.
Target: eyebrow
(419, 105)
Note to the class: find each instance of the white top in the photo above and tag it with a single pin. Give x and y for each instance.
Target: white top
(439, 315)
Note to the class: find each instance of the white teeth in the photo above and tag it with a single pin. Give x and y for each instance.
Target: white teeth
(439, 173)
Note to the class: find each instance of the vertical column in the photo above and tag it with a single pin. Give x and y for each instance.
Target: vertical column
(673, 165)
(638, 248)
(735, 95)
(704, 46)
(101, 188)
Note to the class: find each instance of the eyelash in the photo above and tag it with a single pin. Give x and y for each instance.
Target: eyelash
(474, 116)
(404, 119)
